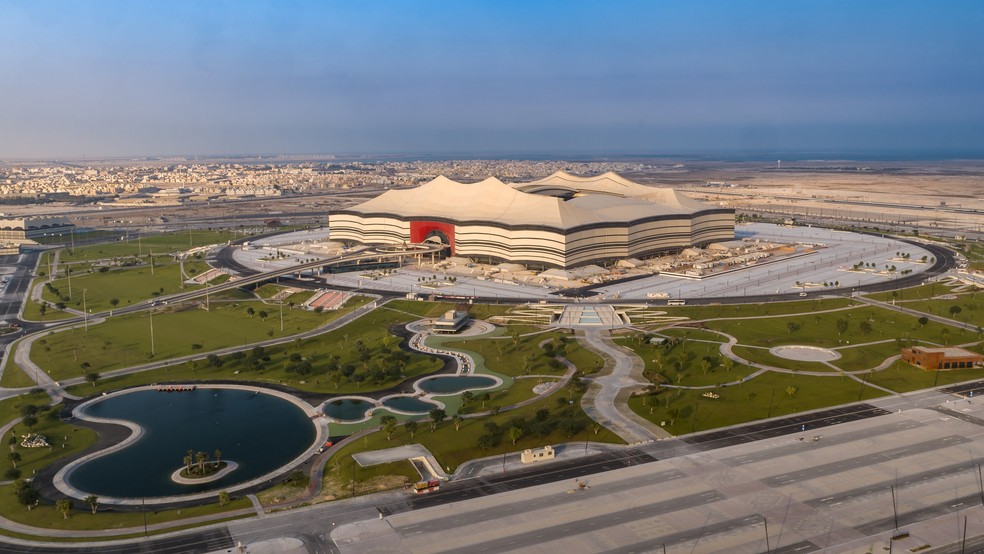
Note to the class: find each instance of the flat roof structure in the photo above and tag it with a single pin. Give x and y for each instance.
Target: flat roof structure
(451, 322)
(941, 358)
(558, 221)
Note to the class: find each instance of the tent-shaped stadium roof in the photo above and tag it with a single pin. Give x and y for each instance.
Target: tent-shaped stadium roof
(604, 198)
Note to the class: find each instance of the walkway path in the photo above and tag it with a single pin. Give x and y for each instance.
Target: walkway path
(606, 401)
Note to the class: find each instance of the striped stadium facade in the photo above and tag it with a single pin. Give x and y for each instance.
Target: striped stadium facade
(560, 221)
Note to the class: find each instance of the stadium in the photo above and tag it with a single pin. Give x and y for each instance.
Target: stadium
(560, 221)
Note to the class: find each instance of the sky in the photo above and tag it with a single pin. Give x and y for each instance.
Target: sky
(118, 78)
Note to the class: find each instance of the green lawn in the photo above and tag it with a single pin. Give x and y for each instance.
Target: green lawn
(522, 355)
(166, 243)
(690, 364)
(65, 439)
(124, 341)
(901, 377)
(912, 293)
(763, 356)
(749, 310)
(691, 333)
(749, 401)
(452, 448)
(970, 308)
(324, 374)
(47, 517)
(127, 285)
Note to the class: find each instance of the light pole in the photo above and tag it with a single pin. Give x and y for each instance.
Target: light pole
(281, 304)
(85, 313)
(153, 351)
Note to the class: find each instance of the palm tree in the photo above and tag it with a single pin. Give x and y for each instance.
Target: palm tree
(389, 423)
(14, 457)
(200, 459)
(218, 457)
(437, 415)
(64, 506)
(92, 377)
(92, 501)
(457, 420)
(188, 459)
(411, 427)
(515, 433)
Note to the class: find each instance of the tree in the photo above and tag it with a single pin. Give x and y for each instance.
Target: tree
(791, 391)
(29, 410)
(200, 459)
(923, 321)
(85, 366)
(64, 506)
(26, 495)
(12, 474)
(113, 302)
(954, 310)
(92, 501)
(250, 311)
(389, 423)
(485, 442)
(30, 421)
(196, 347)
(188, 459)
(14, 457)
(12, 442)
(515, 433)
(92, 377)
(865, 327)
(223, 498)
(437, 415)
(411, 427)
(457, 420)
(841, 326)
(263, 314)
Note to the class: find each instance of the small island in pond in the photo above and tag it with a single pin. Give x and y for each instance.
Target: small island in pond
(200, 468)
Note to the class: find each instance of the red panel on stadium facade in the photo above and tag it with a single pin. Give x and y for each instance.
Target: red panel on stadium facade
(420, 229)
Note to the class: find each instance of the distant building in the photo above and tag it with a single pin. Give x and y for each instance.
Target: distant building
(941, 358)
(449, 323)
(560, 221)
(23, 230)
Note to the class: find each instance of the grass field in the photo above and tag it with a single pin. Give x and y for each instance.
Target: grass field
(689, 364)
(127, 285)
(452, 448)
(126, 340)
(687, 411)
(371, 329)
(522, 355)
(752, 310)
(166, 243)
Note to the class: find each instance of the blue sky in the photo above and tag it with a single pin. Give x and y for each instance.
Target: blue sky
(157, 78)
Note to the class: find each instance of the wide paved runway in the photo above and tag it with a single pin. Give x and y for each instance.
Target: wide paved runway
(849, 491)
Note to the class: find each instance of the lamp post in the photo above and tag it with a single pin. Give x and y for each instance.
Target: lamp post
(153, 352)
(85, 313)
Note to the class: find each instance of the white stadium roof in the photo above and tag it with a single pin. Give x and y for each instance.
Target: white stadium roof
(603, 198)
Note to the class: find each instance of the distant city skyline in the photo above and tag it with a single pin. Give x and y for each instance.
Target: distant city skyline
(119, 79)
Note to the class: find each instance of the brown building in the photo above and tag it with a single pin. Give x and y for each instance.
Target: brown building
(941, 358)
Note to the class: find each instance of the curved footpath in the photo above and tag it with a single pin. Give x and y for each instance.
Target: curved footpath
(607, 396)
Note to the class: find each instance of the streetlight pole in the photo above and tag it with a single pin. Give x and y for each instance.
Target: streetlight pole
(85, 313)
(281, 304)
(153, 351)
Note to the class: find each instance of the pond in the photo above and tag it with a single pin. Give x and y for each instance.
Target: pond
(409, 404)
(258, 431)
(452, 385)
(348, 409)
